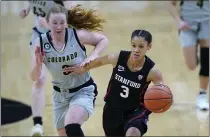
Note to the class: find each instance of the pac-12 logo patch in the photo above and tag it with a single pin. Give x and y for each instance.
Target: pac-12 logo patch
(140, 77)
(47, 47)
(121, 68)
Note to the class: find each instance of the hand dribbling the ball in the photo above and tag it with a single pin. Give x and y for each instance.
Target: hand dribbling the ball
(158, 98)
(162, 85)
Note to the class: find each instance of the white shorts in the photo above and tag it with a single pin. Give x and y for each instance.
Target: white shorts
(84, 97)
(190, 37)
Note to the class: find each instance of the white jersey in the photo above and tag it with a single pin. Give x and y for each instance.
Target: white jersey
(193, 12)
(72, 54)
(40, 8)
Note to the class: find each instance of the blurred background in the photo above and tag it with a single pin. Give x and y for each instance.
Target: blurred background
(122, 17)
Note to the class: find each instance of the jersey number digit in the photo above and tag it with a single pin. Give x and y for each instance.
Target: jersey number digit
(65, 66)
(39, 12)
(125, 92)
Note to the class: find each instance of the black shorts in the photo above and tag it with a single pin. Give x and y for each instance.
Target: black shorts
(117, 122)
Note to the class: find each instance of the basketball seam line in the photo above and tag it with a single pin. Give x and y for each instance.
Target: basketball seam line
(164, 91)
(161, 107)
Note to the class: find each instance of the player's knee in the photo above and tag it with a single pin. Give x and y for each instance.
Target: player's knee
(133, 131)
(76, 114)
(204, 43)
(74, 130)
(62, 132)
(204, 61)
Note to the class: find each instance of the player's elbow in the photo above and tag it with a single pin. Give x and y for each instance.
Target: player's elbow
(104, 41)
(33, 77)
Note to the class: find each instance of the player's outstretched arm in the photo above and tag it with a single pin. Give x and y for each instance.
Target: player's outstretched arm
(171, 7)
(101, 61)
(37, 61)
(155, 76)
(108, 59)
(181, 24)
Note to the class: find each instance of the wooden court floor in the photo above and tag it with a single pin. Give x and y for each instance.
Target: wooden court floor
(181, 120)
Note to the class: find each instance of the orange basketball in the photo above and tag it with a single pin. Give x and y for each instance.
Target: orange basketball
(158, 98)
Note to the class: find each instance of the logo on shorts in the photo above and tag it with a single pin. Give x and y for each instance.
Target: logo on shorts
(140, 77)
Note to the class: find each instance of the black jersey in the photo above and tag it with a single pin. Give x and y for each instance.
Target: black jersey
(126, 89)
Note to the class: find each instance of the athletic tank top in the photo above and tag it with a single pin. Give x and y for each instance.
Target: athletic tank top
(195, 10)
(40, 8)
(126, 89)
(73, 53)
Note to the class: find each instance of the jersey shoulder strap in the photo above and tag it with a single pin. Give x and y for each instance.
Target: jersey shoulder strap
(43, 38)
(123, 57)
(148, 65)
(41, 43)
(77, 39)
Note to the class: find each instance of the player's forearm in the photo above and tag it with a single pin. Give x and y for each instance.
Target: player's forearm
(99, 48)
(36, 72)
(173, 11)
(95, 63)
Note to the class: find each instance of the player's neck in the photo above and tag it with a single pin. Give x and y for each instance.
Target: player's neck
(58, 41)
(136, 64)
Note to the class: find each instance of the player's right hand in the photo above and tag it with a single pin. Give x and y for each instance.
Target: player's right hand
(23, 13)
(39, 56)
(183, 25)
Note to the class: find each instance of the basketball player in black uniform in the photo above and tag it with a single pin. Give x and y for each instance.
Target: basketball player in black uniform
(124, 112)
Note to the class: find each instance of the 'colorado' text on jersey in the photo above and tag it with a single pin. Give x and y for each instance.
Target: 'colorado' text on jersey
(126, 89)
(72, 54)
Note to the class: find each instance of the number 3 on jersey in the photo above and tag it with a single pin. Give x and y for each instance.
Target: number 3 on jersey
(125, 91)
(63, 67)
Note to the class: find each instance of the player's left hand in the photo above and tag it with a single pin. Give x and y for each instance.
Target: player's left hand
(76, 69)
(88, 60)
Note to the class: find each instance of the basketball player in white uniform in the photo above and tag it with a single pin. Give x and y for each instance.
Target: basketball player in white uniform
(60, 48)
(193, 24)
(40, 9)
